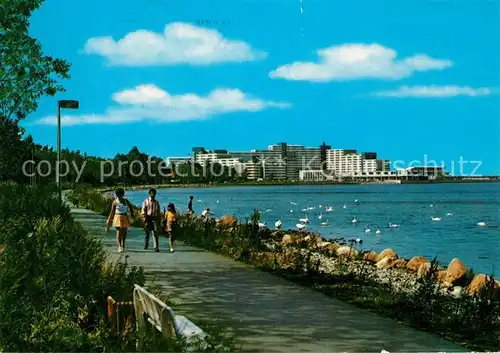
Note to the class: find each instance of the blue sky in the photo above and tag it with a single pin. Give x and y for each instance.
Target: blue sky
(402, 78)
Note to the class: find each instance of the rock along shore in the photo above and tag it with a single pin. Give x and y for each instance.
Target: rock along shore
(385, 267)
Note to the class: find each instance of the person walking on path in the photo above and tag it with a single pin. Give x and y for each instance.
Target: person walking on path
(121, 210)
(151, 213)
(170, 224)
(190, 206)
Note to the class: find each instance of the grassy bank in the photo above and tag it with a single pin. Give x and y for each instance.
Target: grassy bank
(452, 302)
(55, 279)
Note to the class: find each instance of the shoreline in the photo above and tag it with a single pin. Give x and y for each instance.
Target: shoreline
(385, 282)
(267, 184)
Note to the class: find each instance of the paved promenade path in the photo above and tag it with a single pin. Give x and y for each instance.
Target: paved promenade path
(266, 313)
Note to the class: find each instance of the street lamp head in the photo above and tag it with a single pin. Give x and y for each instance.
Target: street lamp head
(68, 104)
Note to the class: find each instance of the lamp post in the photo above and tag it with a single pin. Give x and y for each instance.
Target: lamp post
(65, 104)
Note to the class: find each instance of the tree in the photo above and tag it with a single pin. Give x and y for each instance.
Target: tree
(13, 151)
(26, 74)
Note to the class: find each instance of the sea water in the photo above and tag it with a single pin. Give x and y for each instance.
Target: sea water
(460, 207)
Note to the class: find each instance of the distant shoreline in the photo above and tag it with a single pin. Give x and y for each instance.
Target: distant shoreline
(187, 186)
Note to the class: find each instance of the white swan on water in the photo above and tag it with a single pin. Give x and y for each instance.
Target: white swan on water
(378, 231)
(436, 219)
(320, 215)
(300, 226)
(481, 224)
(325, 223)
(367, 229)
(329, 209)
(345, 206)
(391, 225)
(277, 224)
(449, 214)
(304, 220)
(354, 220)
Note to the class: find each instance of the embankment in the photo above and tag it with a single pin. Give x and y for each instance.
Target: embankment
(453, 302)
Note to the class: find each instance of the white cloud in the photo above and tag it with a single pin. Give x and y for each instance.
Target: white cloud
(358, 61)
(180, 43)
(434, 91)
(148, 102)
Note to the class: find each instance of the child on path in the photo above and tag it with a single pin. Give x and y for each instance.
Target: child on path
(170, 224)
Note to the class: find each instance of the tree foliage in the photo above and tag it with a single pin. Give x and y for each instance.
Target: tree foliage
(26, 74)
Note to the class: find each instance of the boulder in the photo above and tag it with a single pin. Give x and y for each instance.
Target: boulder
(313, 238)
(424, 269)
(228, 221)
(456, 270)
(399, 263)
(478, 282)
(387, 253)
(371, 256)
(347, 251)
(385, 263)
(288, 238)
(323, 244)
(415, 263)
(332, 248)
(441, 275)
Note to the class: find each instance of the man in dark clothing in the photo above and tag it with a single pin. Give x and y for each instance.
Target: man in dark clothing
(190, 205)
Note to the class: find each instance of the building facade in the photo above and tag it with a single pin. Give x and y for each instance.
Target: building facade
(344, 162)
(177, 160)
(283, 161)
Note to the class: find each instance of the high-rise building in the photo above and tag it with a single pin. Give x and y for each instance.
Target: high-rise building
(286, 162)
(297, 158)
(344, 162)
(383, 165)
(323, 154)
(272, 164)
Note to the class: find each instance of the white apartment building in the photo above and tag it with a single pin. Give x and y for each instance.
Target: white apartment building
(203, 158)
(315, 175)
(178, 160)
(230, 163)
(253, 170)
(344, 162)
(370, 165)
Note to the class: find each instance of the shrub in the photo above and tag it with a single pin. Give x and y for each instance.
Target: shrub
(473, 321)
(55, 278)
